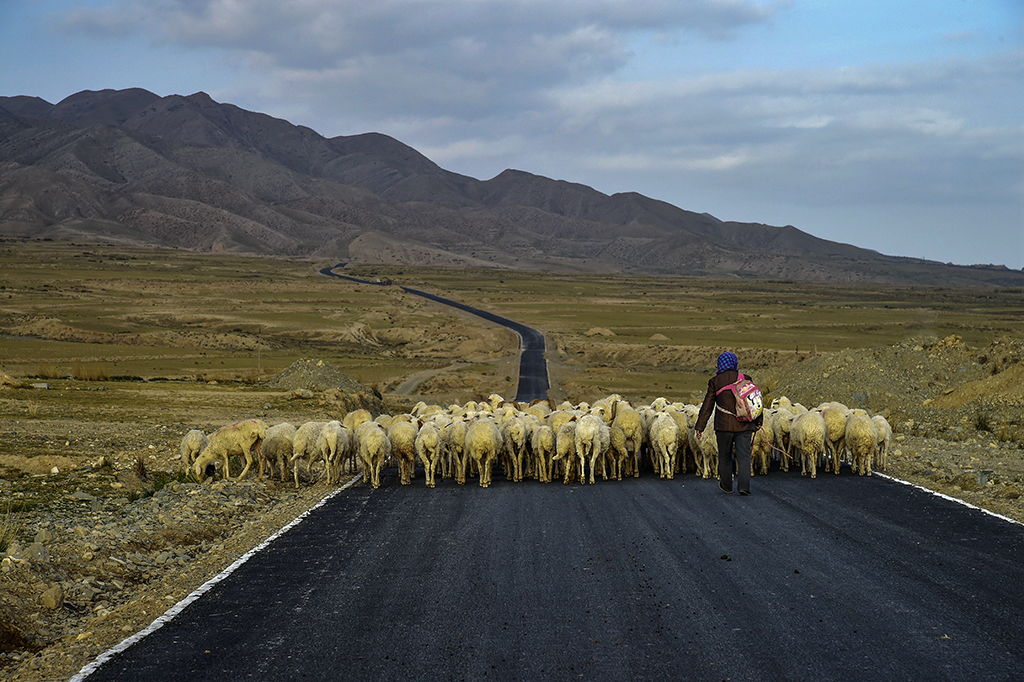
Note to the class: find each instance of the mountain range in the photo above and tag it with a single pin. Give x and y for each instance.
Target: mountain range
(188, 172)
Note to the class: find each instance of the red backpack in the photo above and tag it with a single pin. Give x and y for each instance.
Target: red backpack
(749, 402)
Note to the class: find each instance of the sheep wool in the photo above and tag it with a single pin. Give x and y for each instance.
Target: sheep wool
(861, 440)
(807, 435)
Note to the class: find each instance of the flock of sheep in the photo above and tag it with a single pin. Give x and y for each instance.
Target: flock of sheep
(540, 441)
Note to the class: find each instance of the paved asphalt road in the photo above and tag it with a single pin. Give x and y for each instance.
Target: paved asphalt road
(533, 368)
(838, 578)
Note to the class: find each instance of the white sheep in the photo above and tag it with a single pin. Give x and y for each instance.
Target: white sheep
(304, 448)
(543, 444)
(402, 435)
(705, 450)
(835, 432)
(373, 448)
(628, 420)
(884, 433)
(455, 442)
(351, 422)
(483, 445)
(807, 435)
(618, 452)
(243, 438)
(194, 442)
(565, 449)
(278, 447)
(664, 434)
(760, 450)
(861, 440)
(429, 448)
(334, 447)
(781, 423)
(513, 431)
(592, 440)
(683, 422)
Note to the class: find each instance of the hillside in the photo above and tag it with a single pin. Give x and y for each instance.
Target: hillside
(131, 166)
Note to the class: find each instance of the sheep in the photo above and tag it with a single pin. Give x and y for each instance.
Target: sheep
(402, 435)
(278, 447)
(760, 451)
(541, 408)
(682, 420)
(483, 444)
(334, 447)
(243, 438)
(559, 418)
(514, 433)
(351, 422)
(304, 448)
(665, 443)
(618, 451)
(374, 449)
(835, 432)
(543, 444)
(565, 449)
(781, 423)
(194, 442)
(455, 442)
(429, 447)
(592, 439)
(705, 450)
(884, 433)
(807, 434)
(861, 440)
(628, 420)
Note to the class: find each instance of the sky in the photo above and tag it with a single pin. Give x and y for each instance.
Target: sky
(894, 125)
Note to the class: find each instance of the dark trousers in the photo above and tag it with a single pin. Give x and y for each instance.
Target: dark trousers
(743, 440)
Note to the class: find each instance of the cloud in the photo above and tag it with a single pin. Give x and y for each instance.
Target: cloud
(419, 53)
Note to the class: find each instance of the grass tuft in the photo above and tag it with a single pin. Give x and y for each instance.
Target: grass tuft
(84, 372)
(11, 526)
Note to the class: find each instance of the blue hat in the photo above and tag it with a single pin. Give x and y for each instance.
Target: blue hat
(727, 361)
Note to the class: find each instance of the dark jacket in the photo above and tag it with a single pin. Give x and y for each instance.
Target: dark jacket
(724, 421)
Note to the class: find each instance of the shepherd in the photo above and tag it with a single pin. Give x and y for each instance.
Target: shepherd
(735, 423)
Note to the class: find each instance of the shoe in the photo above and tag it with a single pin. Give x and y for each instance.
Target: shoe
(744, 492)
(724, 489)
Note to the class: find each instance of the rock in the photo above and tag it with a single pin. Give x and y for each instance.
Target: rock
(44, 536)
(53, 598)
(302, 394)
(37, 553)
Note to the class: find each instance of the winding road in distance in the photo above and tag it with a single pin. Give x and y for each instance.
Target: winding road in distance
(533, 369)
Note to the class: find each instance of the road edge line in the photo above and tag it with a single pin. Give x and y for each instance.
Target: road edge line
(170, 613)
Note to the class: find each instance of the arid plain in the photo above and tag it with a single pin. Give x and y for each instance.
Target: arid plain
(111, 353)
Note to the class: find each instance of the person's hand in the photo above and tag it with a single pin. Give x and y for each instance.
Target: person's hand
(699, 434)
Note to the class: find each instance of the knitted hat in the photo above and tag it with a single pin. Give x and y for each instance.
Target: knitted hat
(727, 361)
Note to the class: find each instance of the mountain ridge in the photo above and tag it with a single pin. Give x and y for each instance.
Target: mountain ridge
(187, 171)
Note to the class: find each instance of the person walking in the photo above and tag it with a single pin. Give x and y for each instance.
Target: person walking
(729, 431)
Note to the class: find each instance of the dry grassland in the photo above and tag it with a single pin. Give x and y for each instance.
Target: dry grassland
(138, 345)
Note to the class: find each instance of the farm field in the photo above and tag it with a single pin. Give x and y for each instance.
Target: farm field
(135, 346)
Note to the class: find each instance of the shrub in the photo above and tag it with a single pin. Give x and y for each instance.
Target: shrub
(89, 372)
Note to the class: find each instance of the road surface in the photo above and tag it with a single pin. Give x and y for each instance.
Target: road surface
(533, 369)
(839, 578)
